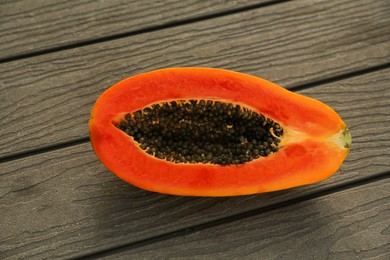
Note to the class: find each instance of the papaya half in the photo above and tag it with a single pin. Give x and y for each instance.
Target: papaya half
(213, 132)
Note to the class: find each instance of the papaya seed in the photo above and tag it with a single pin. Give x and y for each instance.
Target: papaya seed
(202, 131)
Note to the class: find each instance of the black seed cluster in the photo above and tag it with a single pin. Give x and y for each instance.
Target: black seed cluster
(202, 131)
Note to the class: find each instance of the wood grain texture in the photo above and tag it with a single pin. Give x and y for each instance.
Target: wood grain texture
(47, 99)
(40, 24)
(65, 203)
(353, 224)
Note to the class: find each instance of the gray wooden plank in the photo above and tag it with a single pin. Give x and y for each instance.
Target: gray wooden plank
(352, 224)
(65, 203)
(40, 24)
(47, 99)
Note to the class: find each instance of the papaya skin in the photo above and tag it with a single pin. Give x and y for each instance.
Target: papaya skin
(314, 145)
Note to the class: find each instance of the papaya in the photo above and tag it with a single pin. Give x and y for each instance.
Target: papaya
(214, 132)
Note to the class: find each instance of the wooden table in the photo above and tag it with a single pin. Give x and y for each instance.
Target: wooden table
(58, 201)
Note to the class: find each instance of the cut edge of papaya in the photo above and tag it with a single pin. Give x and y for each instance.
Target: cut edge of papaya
(313, 148)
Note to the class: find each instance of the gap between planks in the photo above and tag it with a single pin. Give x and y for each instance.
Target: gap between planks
(236, 217)
(83, 140)
(148, 29)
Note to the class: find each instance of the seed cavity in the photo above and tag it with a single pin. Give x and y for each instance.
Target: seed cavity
(202, 131)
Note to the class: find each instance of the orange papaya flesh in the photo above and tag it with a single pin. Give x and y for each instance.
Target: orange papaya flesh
(312, 145)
